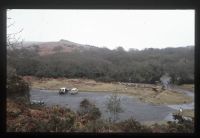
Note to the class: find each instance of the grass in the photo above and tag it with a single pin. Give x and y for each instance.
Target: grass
(150, 123)
(187, 113)
(189, 87)
(145, 94)
(168, 97)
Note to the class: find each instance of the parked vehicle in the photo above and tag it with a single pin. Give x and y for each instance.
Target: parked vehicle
(73, 91)
(70, 91)
(63, 90)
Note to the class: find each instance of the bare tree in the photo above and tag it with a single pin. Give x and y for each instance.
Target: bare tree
(13, 39)
(113, 105)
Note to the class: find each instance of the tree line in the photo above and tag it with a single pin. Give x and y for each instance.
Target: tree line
(102, 64)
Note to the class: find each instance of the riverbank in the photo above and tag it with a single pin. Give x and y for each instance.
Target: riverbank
(22, 117)
(188, 87)
(187, 113)
(148, 93)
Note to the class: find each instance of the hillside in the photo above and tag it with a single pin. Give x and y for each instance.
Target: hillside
(65, 46)
(71, 60)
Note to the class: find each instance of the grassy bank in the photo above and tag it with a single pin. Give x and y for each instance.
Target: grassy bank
(144, 92)
(187, 113)
(189, 87)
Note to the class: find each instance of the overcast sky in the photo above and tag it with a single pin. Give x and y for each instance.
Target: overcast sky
(107, 28)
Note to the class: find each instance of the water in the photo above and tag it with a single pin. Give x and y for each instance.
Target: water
(132, 107)
(183, 106)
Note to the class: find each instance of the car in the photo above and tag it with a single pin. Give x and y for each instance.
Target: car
(73, 91)
(63, 90)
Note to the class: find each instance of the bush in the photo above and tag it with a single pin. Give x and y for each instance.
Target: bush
(85, 107)
(131, 125)
(90, 112)
(181, 127)
(60, 120)
(100, 126)
(174, 127)
(54, 119)
(16, 86)
(94, 113)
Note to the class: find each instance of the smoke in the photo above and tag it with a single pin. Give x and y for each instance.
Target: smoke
(165, 80)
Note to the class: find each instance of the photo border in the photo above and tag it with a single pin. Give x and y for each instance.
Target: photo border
(97, 4)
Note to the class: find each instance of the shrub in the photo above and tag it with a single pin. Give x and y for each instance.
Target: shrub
(131, 125)
(174, 127)
(17, 87)
(85, 107)
(90, 112)
(180, 127)
(60, 120)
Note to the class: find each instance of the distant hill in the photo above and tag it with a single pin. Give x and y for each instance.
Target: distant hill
(65, 46)
(46, 48)
(103, 64)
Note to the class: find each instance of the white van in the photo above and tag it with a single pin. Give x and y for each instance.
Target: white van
(73, 91)
(63, 90)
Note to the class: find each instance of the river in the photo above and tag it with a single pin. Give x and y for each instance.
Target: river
(183, 106)
(132, 107)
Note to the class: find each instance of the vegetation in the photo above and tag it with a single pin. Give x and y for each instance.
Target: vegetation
(133, 126)
(189, 87)
(23, 117)
(17, 88)
(90, 112)
(187, 113)
(102, 64)
(144, 92)
(174, 127)
(113, 105)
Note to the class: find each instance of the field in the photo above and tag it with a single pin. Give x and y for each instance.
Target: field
(189, 87)
(188, 112)
(145, 92)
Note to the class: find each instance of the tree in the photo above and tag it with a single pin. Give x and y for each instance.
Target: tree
(94, 114)
(12, 37)
(16, 86)
(91, 111)
(100, 64)
(113, 105)
(85, 106)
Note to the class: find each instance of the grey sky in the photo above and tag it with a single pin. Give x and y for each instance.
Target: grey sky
(110, 28)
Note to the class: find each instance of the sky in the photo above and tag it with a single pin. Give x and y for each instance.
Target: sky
(137, 29)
